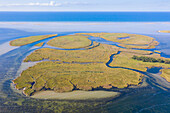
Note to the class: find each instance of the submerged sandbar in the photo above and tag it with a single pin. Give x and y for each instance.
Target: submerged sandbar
(76, 95)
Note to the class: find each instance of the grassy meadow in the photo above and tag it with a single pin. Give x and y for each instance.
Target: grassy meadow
(137, 41)
(29, 40)
(70, 41)
(124, 59)
(166, 74)
(164, 31)
(39, 44)
(69, 70)
(97, 54)
(63, 77)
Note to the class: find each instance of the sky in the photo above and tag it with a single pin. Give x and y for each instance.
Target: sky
(84, 5)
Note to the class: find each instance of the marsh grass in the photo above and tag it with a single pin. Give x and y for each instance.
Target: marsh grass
(166, 74)
(125, 59)
(137, 41)
(164, 31)
(70, 41)
(63, 77)
(101, 53)
(39, 44)
(70, 70)
(28, 40)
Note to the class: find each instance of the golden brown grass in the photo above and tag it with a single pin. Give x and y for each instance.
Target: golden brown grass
(97, 54)
(166, 74)
(63, 77)
(124, 59)
(139, 40)
(28, 40)
(164, 31)
(140, 52)
(138, 46)
(157, 51)
(39, 44)
(70, 42)
(69, 73)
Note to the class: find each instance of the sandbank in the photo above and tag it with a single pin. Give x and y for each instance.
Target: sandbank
(76, 95)
(5, 47)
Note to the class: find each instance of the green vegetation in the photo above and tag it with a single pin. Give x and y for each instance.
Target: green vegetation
(100, 53)
(166, 74)
(164, 31)
(86, 69)
(124, 59)
(70, 42)
(134, 40)
(28, 40)
(39, 44)
(63, 77)
(150, 59)
(150, 46)
(140, 52)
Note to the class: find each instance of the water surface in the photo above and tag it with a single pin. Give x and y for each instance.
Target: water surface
(142, 99)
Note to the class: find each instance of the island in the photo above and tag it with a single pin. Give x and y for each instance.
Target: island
(29, 40)
(127, 40)
(164, 31)
(70, 42)
(85, 65)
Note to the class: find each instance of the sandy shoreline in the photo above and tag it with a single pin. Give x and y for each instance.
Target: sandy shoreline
(76, 95)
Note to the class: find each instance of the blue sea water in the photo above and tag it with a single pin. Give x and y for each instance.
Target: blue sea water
(85, 16)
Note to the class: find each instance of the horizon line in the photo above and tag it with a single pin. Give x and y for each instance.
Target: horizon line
(84, 11)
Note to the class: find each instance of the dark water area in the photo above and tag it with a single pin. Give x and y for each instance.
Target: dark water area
(153, 98)
(85, 16)
(154, 70)
(123, 38)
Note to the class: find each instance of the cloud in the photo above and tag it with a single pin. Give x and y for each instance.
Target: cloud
(51, 3)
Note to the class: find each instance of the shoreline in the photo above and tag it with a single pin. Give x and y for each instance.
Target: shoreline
(52, 94)
(76, 95)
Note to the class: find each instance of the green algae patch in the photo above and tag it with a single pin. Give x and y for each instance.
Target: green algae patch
(101, 53)
(125, 59)
(29, 40)
(70, 42)
(63, 77)
(166, 74)
(128, 40)
(40, 44)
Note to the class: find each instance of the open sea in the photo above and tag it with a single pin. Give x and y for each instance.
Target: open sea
(85, 16)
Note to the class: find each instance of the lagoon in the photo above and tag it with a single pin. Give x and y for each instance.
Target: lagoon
(133, 100)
